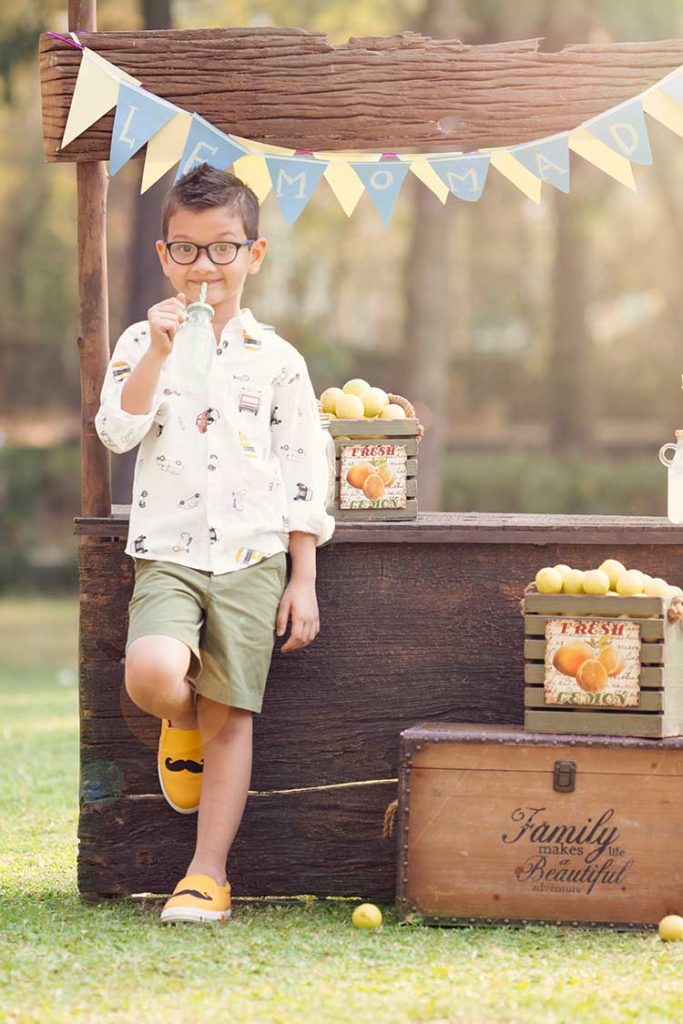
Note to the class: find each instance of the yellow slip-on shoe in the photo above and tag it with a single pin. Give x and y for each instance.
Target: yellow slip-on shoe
(180, 764)
(197, 898)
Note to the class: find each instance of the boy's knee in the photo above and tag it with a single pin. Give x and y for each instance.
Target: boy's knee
(150, 670)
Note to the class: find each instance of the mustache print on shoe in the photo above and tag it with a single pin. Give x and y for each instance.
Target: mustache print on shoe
(181, 765)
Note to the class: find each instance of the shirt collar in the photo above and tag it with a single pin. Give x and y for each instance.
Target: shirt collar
(244, 321)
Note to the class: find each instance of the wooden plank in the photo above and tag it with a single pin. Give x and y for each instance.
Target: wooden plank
(589, 723)
(423, 80)
(580, 605)
(316, 842)
(650, 700)
(651, 676)
(650, 629)
(385, 430)
(650, 654)
(654, 543)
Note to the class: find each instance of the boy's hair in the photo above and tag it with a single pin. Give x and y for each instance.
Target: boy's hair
(205, 186)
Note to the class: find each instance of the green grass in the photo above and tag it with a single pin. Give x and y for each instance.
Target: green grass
(62, 960)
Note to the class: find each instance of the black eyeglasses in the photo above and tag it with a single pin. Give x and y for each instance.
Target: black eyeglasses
(218, 252)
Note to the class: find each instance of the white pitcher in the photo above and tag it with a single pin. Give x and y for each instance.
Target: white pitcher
(674, 464)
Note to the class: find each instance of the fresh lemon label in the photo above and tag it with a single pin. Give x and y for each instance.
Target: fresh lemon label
(592, 662)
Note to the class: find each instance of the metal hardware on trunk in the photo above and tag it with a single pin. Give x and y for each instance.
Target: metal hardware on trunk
(564, 776)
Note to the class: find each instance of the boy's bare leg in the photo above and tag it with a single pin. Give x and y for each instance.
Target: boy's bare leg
(156, 669)
(227, 744)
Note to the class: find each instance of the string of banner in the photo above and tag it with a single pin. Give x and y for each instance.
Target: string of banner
(613, 141)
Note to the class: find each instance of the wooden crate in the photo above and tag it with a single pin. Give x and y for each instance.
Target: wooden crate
(659, 711)
(374, 433)
(499, 825)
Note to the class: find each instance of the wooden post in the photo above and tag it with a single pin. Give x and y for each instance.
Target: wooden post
(93, 339)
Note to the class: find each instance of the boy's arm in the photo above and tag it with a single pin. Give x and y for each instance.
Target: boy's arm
(298, 442)
(131, 396)
(305, 477)
(299, 599)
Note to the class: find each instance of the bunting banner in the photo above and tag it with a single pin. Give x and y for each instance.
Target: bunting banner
(613, 141)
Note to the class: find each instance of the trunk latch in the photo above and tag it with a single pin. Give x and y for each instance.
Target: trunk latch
(564, 776)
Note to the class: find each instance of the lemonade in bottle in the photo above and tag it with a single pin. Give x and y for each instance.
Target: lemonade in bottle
(192, 347)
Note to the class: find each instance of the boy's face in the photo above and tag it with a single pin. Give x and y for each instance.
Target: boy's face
(225, 281)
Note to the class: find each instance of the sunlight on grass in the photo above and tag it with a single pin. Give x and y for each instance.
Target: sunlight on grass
(62, 960)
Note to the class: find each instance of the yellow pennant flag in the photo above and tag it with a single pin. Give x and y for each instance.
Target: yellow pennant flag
(605, 159)
(165, 149)
(506, 164)
(664, 109)
(346, 185)
(423, 170)
(252, 169)
(96, 92)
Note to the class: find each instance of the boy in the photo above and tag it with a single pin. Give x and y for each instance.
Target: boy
(216, 504)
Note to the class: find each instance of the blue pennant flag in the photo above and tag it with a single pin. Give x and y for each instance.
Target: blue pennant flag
(463, 176)
(294, 179)
(624, 130)
(205, 144)
(547, 159)
(139, 116)
(673, 87)
(383, 182)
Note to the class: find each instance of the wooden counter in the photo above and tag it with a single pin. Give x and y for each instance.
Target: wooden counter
(419, 621)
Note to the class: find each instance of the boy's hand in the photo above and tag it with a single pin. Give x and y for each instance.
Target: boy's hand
(300, 602)
(164, 320)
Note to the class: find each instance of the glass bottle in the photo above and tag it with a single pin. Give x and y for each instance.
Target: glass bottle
(675, 477)
(193, 346)
(331, 456)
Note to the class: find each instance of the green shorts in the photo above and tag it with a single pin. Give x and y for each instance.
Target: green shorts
(227, 621)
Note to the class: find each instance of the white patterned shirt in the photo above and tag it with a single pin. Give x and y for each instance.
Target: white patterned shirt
(224, 476)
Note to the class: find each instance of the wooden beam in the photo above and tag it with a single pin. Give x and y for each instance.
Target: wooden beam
(93, 338)
(290, 87)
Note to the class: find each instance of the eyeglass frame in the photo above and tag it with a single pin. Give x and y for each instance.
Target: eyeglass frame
(239, 245)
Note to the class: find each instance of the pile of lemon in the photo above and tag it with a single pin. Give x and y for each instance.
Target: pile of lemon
(610, 578)
(357, 400)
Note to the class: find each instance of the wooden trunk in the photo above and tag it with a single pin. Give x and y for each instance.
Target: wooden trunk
(659, 711)
(373, 436)
(499, 825)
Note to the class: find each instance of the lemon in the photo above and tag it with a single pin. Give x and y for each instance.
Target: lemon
(573, 581)
(349, 407)
(595, 581)
(630, 583)
(614, 570)
(357, 386)
(329, 397)
(671, 928)
(374, 400)
(367, 915)
(392, 412)
(657, 587)
(549, 581)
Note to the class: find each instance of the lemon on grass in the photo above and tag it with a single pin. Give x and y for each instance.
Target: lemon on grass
(671, 928)
(367, 915)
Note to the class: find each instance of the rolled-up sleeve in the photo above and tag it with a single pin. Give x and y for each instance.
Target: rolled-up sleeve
(117, 429)
(299, 444)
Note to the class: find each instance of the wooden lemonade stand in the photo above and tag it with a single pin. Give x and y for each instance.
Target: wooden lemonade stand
(420, 619)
